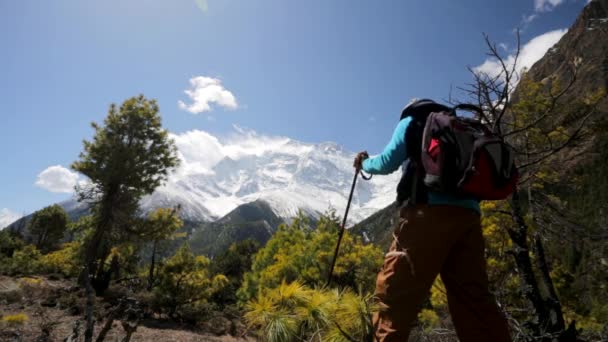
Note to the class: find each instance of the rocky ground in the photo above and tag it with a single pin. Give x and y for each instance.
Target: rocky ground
(42, 309)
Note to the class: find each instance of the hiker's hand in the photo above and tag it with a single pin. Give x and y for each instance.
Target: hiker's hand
(361, 156)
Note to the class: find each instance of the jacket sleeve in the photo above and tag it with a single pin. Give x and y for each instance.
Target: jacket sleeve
(394, 153)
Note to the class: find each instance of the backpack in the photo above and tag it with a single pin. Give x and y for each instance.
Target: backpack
(454, 155)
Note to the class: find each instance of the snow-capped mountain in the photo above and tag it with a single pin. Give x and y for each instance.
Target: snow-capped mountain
(216, 176)
(7, 217)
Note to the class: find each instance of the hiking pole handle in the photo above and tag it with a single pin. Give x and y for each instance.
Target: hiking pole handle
(343, 227)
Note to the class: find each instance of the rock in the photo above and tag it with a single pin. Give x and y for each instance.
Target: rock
(10, 291)
(55, 276)
(218, 326)
(49, 302)
(10, 336)
(74, 310)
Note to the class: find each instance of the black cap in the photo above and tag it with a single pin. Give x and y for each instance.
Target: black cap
(422, 107)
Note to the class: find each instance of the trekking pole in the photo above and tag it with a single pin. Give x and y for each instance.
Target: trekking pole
(343, 227)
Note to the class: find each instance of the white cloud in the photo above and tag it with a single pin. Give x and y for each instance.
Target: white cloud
(527, 19)
(530, 53)
(200, 151)
(202, 5)
(203, 92)
(546, 5)
(58, 179)
(7, 217)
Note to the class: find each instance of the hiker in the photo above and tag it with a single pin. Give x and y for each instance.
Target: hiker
(437, 234)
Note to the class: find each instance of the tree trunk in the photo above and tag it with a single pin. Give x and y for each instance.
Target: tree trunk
(104, 220)
(521, 253)
(152, 264)
(556, 316)
(104, 277)
(90, 268)
(550, 317)
(114, 314)
(106, 328)
(89, 310)
(90, 257)
(129, 328)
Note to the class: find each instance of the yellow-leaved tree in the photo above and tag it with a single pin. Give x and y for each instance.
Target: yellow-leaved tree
(185, 284)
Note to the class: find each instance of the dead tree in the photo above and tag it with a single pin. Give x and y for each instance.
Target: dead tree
(538, 133)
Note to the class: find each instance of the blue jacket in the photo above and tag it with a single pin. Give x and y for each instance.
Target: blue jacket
(395, 154)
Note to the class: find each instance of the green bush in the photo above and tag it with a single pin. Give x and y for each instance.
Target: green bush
(185, 285)
(299, 253)
(24, 261)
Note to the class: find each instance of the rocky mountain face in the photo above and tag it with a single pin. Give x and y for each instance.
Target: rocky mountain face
(586, 44)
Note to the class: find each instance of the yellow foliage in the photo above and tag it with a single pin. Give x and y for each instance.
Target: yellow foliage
(185, 282)
(428, 319)
(439, 299)
(294, 312)
(65, 260)
(587, 323)
(17, 319)
(298, 253)
(31, 281)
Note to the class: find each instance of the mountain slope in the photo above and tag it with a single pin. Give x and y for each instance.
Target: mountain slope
(585, 41)
(378, 228)
(255, 220)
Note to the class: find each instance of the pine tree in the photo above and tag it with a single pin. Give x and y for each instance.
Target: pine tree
(130, 156)
(48, 226)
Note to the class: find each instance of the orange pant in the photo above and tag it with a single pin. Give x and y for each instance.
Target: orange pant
(432, 240)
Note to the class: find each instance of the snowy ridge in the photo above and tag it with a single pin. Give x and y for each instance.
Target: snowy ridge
(217, 176)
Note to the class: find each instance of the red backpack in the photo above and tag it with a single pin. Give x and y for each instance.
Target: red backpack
(462, 155)
(459, 155)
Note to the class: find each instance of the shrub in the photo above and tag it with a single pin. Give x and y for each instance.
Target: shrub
(30, 281)
(15, 320)
(25, 261)
(299, 253)
(185, 285)
(294, 312)
(428, 319)
(65, 260)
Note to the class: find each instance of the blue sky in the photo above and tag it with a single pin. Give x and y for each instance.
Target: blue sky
(314, 70)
